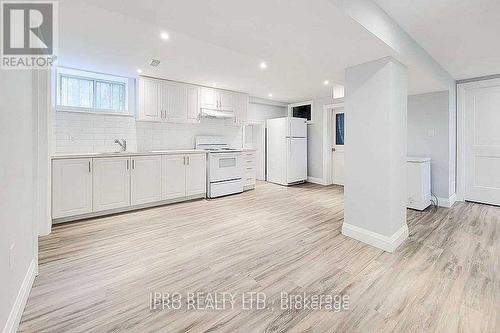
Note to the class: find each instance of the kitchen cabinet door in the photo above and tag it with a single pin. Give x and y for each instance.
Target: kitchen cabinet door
(193, 104)
(225, 100)
(111, 183)
(196, 174)
(145, 179)
(240, 108)
(177, 105)
(150, 101)
(71, 187)
(173, 177)
(209, 98)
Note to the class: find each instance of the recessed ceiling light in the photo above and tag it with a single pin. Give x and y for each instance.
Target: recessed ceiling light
(139, 70)
(164, 35)
(270, 95)
(263, 65)
(326, 82)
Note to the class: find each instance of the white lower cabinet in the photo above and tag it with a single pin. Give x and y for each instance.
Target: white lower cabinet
(111, 183)
(196, 174)
(99, 185)
(71, 187)
(173, 176)
(183, 175)
(249, 171)
(145, 179)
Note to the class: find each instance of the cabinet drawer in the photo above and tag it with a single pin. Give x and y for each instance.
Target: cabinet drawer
(248, 154)
(249, 169)
(249, 181)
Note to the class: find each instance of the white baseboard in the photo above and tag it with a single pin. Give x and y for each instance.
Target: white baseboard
(447, 202)
(315, 180)
(388, 244)
(22, 297)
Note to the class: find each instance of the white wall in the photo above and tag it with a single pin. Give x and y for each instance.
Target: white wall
(18, 148)
(258, 112)
(428, 135)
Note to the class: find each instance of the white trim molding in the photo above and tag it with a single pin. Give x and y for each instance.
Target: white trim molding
(447, 202)
(388, 244)
(316, 180)
(22, 297)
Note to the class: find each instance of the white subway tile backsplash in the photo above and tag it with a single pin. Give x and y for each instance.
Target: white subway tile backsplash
(84, 132)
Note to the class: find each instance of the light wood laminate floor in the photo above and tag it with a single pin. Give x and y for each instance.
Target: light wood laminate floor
(97, 275)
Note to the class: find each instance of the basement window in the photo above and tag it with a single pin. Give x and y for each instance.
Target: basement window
(82, 91)
(301, 110)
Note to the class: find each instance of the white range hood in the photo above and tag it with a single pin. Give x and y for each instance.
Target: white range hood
(216, 114)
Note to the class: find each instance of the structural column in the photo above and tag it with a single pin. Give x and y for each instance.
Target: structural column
(375, 156)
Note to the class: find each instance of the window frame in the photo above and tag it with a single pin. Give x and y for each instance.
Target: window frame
(311, 102)
(95, 77)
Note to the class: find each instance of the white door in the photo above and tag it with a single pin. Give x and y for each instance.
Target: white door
(193, 104)
(196, 174)
(176, 107)
(150, 99)
(173, 176)
(482, 142)
(145, 179)
(71, 187)
(297, 160)
(338, 147)
(225, 100)
(209, 98)
(111, 183)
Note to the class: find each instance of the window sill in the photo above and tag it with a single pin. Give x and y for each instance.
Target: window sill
(103, 112)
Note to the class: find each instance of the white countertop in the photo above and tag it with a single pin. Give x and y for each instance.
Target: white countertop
(127, 153)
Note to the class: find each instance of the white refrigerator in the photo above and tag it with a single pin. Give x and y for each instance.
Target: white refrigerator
(286, 150)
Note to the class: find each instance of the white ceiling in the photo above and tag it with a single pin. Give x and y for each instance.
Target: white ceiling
(223, 41)
(462, 35)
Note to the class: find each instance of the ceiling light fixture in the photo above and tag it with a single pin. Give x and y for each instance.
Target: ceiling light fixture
(270, 95)
(263, 65)
(164, 35)
(139, 70)
(326, 82)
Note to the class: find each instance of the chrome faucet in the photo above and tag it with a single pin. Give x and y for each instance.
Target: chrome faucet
(122, 143)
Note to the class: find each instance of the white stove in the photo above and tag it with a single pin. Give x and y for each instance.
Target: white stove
(224, 168)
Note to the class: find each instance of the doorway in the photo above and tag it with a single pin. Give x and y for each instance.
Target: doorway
(479, 141)
(337, 145)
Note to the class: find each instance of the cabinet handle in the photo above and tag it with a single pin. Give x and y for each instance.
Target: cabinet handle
(184, 160)
(127, 165)
(90, 170)
(133, 164)
(189, 161)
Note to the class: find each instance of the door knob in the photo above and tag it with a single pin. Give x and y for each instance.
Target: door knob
(333, 149)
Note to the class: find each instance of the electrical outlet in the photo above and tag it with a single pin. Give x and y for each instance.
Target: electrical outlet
(11, 256)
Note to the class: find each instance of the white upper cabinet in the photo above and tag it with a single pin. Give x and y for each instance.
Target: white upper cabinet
(240, 108)
(196, 174)
(71, 187)
(209, 98)
(193, 103)
(226, 100)
(111, 183)
(150, 101)
(145, 179)
(167, 101)
(176, 107)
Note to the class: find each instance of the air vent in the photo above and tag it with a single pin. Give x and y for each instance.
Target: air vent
(154, 62)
